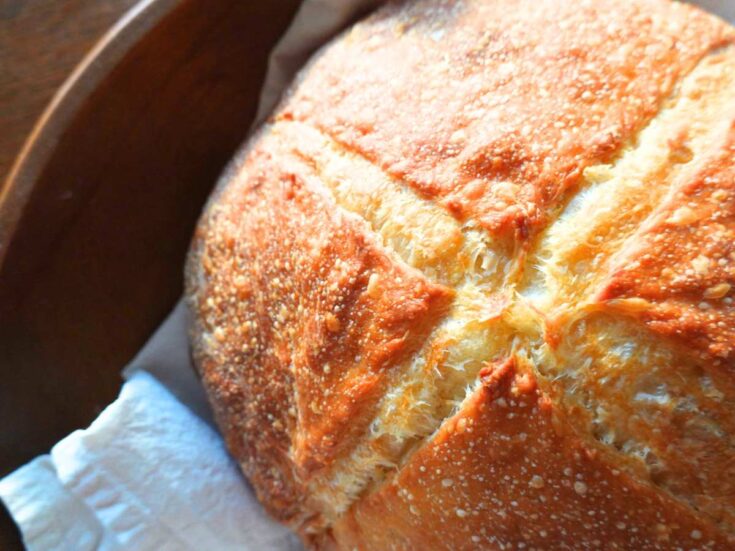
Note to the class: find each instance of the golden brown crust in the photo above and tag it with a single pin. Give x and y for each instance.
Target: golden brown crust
(503, 471)
(395, 228)
(678, 271)
(495, 108)
(301, 321)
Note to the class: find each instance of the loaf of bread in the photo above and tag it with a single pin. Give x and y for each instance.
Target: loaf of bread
(471, 285)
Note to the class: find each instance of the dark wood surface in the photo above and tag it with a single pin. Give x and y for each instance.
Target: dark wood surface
(40, 43)
(107, 205)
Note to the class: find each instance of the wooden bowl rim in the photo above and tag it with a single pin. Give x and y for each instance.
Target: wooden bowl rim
(48, 130)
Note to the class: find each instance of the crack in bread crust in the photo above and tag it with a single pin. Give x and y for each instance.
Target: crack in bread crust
(423, 391)
(430, 388)
(524, 282)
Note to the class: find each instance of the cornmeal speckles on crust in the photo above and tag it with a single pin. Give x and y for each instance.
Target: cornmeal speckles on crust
(664, 415)
(573, 255)
(503, 495)
(678, 272)
(471, 286)
(494, 109)
(301, 321)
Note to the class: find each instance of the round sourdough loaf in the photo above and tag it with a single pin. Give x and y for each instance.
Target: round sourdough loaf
(471, 286)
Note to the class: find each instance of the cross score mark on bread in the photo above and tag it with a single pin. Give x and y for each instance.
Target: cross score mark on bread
(470, 285)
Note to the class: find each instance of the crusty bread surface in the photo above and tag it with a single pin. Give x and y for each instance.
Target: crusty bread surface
(471, 285)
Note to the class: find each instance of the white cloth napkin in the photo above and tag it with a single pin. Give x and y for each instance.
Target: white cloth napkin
(148, 474)
(152, 473)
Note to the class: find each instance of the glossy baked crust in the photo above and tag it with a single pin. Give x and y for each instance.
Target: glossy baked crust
(471, 285)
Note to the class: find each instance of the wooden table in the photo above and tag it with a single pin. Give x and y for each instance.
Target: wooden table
(40, 43)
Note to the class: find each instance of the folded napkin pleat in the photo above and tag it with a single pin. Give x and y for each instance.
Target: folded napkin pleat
(50, 516)
(148, 474)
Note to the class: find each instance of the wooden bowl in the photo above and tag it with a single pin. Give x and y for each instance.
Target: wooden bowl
(96, 216)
